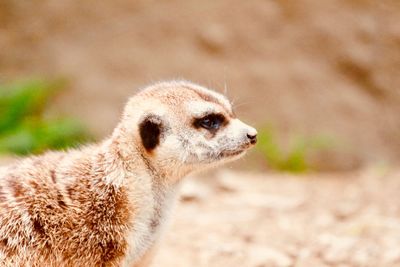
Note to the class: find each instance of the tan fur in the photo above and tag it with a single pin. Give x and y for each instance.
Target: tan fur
(102, 205)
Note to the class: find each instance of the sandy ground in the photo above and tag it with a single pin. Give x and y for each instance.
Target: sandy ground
(244, 219)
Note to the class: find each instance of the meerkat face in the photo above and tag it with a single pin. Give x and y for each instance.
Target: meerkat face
(215, 135)
(184, 126)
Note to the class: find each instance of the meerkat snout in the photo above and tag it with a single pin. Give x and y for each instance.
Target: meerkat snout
(248, 133)
(106, 204)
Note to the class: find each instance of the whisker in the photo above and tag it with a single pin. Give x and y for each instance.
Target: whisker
(241, 104)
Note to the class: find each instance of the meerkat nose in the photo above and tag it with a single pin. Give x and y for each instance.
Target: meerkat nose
(253, 138)
(252, 135)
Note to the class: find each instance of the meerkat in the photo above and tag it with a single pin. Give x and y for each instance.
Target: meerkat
(107, 204)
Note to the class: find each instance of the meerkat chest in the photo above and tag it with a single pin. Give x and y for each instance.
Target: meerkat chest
(150, 220)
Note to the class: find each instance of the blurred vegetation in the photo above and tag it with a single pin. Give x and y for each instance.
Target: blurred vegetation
(24, 126)
(295, 157)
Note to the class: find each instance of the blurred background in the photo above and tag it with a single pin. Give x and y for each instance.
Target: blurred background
(319, 79)
(318, 71)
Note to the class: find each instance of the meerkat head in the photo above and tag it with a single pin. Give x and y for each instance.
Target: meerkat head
(181, 127)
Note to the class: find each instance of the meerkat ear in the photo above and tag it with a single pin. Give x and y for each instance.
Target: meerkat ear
(150, 131)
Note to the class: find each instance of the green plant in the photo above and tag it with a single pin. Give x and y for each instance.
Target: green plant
(25, 129)
(295, 157)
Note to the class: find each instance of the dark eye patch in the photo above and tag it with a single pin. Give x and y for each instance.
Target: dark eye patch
(150, 131)
(211, 122)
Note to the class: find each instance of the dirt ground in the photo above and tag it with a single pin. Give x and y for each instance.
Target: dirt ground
(254, 220)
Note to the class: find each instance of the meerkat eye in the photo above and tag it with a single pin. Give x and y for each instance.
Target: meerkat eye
(210, 122)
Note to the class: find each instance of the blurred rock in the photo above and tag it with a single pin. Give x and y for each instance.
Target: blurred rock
(335, 250)
(193, 190)
(346, 209)
(392, 255)
(268, 257)
(213, 39)
(362, 257)
(228, 181)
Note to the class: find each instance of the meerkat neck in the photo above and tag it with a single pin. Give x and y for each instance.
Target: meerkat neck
(123, 154)
(122, 158)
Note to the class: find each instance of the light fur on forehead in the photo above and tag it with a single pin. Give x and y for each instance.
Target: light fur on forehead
(202, 92)
(201, 108)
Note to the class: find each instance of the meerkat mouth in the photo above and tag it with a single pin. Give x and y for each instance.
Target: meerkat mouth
(227, 154)
(233, 153)
(237, 152)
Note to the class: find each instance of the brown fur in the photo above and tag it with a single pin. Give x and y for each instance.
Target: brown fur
(49, 221)
(102, 205)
